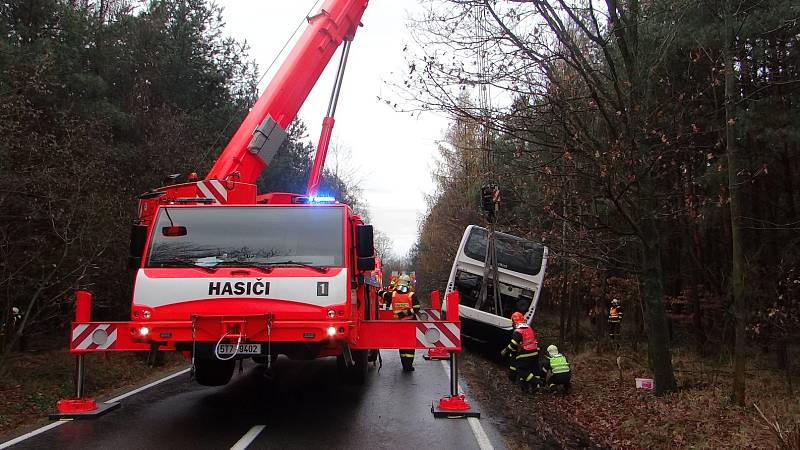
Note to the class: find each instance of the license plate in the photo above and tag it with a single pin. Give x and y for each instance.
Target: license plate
(244, 349)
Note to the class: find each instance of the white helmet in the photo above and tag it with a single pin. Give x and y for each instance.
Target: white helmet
(615, 302)
(552, 350)
(14, 310)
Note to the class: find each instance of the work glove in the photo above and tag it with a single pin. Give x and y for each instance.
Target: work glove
(504, 353)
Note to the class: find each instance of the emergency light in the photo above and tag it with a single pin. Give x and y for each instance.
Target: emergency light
(322, 199)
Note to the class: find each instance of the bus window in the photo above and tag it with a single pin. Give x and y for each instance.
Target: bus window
(512, 298)
(513, 253)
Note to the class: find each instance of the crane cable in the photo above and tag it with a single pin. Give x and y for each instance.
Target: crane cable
(260, 79)
(490, 192)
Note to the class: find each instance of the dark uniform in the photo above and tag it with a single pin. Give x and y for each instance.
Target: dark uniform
(524, 351)
(404, 306)
(560, 374)
(614, 321)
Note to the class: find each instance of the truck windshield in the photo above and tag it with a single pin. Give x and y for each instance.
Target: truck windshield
(513, 253)
(248, 236)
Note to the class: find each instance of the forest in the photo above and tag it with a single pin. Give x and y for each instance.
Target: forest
(102, 101)
(654, 147)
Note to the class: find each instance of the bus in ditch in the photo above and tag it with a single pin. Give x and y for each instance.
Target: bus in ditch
(521, 267)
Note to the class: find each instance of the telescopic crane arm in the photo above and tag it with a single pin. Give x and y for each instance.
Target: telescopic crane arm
(263, 131)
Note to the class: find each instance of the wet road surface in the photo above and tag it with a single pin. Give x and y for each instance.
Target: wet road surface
(304, 406)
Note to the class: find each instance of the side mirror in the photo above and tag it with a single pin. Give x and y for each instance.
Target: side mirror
(138, 238)
(365, 246)
(366, 264)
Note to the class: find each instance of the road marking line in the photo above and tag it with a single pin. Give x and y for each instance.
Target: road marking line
(474, 423)
(480, 434)
(33, 433)
(248, 437)
(49, 427)
(148, 386)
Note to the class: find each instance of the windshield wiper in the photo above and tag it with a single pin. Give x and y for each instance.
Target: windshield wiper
(184, 263)
(290, 263)
(266, 268)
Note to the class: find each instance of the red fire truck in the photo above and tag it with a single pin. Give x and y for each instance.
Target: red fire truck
(225, 273)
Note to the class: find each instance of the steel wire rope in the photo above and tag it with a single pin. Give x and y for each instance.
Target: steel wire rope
(235, 350)
(484, 105)
(260, 79)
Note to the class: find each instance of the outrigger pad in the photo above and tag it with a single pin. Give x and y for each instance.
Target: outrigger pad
(101, 409)
(454, 408)
(436, 354)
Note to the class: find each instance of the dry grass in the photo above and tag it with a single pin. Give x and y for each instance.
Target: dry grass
(34, 381)
(606, 407)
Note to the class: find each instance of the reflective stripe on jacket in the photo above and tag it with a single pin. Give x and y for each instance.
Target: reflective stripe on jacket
(523, 342)
(403, 305)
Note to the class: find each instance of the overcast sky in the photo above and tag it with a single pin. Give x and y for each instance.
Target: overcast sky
(391, 153)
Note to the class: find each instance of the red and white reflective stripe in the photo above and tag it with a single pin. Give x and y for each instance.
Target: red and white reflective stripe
(438, 335)
(213, 189)
(84, 337)
(433, 314)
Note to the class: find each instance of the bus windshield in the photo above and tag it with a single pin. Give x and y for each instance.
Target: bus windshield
(513, 253)
(263, 236)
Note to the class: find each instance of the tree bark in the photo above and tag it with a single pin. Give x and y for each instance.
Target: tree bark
(658, 342)
(734, 167)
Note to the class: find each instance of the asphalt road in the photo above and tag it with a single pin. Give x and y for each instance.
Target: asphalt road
(305, 406)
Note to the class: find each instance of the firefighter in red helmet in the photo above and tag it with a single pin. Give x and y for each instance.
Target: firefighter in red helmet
(404, 306)
(524, 353)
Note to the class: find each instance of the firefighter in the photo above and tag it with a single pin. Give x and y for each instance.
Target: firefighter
(8, 329)
(557, 365)
(404, 306)
(524, 352)
(614, 320)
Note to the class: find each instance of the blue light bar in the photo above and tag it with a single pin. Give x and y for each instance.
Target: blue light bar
(322, 200)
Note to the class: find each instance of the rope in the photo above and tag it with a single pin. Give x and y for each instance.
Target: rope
(235, 350)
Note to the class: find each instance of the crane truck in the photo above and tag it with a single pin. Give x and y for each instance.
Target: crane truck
(224, 273)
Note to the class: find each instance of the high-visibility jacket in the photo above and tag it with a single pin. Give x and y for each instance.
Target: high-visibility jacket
(614, 314)
(523, 342)
(404, 306)
(558, 363)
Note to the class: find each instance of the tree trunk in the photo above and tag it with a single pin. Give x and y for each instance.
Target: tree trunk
(658, 345)
(734, 167)
(562, 332)
(574, 301)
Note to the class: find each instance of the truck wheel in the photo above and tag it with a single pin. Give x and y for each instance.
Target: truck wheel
(357, 374)
(213, 372)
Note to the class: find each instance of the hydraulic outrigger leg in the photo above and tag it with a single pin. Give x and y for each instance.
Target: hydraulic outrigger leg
(81, 407)
(455, 405)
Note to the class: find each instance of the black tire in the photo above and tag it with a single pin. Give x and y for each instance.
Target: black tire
(213, 372)
(357, 374)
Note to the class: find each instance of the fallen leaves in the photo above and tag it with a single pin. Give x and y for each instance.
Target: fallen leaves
(618, 416)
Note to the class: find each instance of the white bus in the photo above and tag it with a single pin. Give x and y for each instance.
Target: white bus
(521, 267)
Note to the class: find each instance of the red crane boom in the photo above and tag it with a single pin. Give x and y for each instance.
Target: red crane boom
(263, 131)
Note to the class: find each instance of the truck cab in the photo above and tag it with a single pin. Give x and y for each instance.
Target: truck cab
(233, 281)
